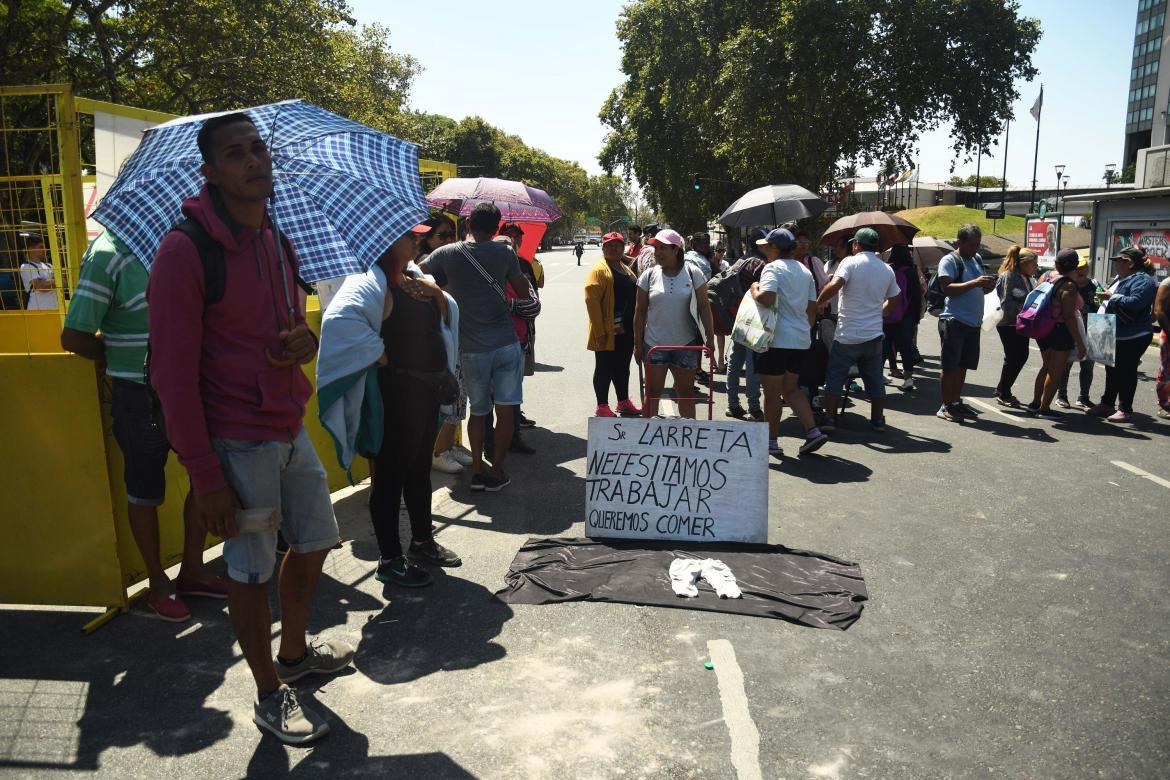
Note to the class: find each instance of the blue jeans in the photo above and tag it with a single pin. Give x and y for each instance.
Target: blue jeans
(870, 362)
(742, 360)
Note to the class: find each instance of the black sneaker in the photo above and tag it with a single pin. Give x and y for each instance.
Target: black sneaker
(479, 481)
(879, 424)
(400, 571)
(756, 414)
(433, 553)
(520, 447)
(495, 484)
(1049, 414)
(1032, 407)
(525, 422)
(968, 410)
(736, 411)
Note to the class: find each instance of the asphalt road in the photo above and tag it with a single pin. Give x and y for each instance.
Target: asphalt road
(1016, 624)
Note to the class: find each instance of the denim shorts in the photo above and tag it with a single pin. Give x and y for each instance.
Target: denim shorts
(493, 378)
(288, 477)
(139, 431)
(867, 356)
(686, 359)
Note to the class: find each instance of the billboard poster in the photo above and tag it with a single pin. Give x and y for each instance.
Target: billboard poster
(1041, 236)
(1154, 242)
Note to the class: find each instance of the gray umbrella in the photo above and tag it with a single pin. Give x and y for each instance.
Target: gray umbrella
(772, 204)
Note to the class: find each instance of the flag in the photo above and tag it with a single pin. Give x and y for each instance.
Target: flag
(1039, 104)
(906, 174)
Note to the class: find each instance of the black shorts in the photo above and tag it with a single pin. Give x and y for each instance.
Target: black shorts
(139, 432)
(1058, 339)
(960, 345)
(776, 362)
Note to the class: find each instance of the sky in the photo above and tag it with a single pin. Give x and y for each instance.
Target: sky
(545, 68)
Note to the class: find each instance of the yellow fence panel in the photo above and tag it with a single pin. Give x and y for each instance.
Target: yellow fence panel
(60, 544)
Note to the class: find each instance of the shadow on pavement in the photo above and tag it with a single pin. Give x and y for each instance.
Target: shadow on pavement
(345, 752)
(823, 469)
(447, 626)
(137, 681)
(544, 368)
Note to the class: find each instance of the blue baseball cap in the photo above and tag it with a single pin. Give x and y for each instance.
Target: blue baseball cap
(779, 238)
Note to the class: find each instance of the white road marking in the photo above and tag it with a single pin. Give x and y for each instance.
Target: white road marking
(1139, 472)
(991, 408)
(745, 737)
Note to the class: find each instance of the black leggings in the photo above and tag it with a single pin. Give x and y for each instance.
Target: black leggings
(1015, 355)
(404, 464)
(613, 366)
(1121, 379)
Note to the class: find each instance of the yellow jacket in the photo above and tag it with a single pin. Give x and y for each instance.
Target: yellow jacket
(599, 303)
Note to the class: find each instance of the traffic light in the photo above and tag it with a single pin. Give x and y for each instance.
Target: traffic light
(695, 182)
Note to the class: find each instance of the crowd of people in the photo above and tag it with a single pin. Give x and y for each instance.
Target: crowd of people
(205, 356)
(662, 300)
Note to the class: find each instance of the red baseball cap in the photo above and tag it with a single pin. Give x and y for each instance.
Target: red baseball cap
(614, 236)
(421, 228)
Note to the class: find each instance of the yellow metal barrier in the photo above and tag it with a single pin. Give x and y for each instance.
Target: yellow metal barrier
(64, 496)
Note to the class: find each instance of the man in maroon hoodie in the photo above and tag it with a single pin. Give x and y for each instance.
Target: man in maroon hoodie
(233, 394)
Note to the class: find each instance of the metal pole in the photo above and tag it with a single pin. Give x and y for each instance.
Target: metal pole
(978, 168)
(1007, 134)
(1036, 156)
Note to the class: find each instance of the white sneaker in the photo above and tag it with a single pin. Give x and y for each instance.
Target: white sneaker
(907, 384)
(446, 464)
(460, 455)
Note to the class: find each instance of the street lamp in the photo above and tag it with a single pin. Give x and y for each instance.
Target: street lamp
(1109, 174)
(1062, 188)
(1059, 176)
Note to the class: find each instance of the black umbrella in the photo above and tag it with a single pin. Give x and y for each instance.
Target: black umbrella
(773, 204)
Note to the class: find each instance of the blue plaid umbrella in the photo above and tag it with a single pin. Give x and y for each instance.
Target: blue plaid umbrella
(344, 191)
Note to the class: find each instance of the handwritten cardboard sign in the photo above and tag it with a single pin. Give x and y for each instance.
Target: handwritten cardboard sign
(677, 479)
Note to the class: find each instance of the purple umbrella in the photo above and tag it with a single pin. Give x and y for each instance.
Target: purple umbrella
(516, 201)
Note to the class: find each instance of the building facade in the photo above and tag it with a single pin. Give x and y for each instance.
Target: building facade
(1146, 118)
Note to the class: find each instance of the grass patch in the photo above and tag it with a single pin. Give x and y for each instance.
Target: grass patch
(945, 221)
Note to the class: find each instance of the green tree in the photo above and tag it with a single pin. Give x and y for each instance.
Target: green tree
(786, 90)
(985, 182)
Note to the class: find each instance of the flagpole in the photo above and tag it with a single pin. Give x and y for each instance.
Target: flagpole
(1007, 134)
(1036, 156)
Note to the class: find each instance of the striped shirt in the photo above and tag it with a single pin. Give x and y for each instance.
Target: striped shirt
(111, 298)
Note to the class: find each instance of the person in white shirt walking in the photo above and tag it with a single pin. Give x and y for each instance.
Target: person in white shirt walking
(867, 287)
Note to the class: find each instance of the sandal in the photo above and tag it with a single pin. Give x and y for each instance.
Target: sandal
(1163, 414)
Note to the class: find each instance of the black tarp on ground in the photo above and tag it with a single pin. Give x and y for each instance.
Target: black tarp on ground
(802, 587)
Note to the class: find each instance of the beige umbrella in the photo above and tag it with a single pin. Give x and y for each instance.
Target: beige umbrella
(891, 229)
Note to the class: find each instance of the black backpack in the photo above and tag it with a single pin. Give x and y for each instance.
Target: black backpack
(936, 300)
(725, 292)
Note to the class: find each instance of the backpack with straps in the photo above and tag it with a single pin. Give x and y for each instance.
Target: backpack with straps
(1037, 318)
(725, 291)
(936, 299)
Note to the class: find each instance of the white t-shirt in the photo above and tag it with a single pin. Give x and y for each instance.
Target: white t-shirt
(794, 287)
(868, 283)
(669, 322)
(37, 299)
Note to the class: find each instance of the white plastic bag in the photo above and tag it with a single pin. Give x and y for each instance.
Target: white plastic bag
(992, 312)
(755, 326)
(1101, 341)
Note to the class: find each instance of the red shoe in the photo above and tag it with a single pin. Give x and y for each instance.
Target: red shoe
(626, 408)
(170, 608)
(214, 588)
(603, 410)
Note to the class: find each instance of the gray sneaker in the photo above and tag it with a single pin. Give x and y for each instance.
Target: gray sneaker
(282, 715)
(321, 657)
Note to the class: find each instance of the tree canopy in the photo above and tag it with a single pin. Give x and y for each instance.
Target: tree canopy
(986, 182)
(215, 55)
(745, 94)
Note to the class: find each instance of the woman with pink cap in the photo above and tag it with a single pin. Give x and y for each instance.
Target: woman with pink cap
(671, 310)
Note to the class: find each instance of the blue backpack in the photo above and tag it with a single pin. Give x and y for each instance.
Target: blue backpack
(1036, 318)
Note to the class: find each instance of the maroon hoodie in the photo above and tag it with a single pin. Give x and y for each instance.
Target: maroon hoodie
(209, 368)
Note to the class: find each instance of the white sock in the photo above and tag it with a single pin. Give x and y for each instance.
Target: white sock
(721, 579)
(684, 573)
